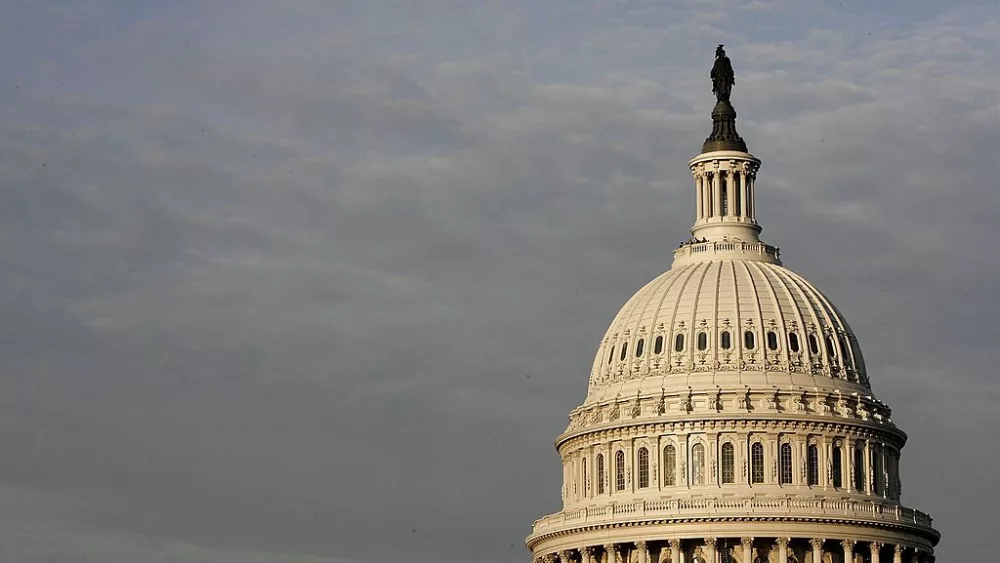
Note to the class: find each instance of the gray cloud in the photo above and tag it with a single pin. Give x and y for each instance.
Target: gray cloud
(322, 283)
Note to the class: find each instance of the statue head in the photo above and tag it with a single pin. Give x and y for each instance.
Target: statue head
(719, 51)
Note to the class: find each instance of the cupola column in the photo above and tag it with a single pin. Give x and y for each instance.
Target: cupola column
(747, 545)
(897, 554)
(675, 551)
(848, 550)
(875, 547)
(782, 550)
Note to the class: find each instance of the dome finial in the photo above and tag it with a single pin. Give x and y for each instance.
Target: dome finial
(724, 136)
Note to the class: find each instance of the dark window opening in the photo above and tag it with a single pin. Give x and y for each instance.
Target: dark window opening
(702, 340)
(679, 343)
(638, 347)
(793, 342)
(813, 345)
(772, 340)
(748, 340)
(726, 340)
(658, 345)
(624, 350)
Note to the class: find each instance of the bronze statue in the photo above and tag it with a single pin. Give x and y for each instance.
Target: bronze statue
(722, 75)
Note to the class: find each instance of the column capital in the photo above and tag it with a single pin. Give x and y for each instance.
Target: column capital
(673, 542)
(782, 542)
(590, 549)
(746, 542)
(640, 544)
(817, 543)
(898, 549)
(549, 558)
(848, 544)
(566, 556)
(875, 545)
(710, 542)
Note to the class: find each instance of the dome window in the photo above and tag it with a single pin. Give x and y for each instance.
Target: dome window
(624, 350)
(726, 341)
(669, 465)
(838, 464)
(643, 468)
(619, 470)
(756, 463)
(813, 345)
(812, 464)
(600, 474)
(831, 347)
(638, 347)
(785, 458)
(748, 340)
(611, 355)
(793, 342)
(679, 343)
(772, 340)
(728, 463)
(658, 345)
(702, 340)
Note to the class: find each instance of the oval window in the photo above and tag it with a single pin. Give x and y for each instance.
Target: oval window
(726, 340)
(638, 347)
(831, 347)
(702, 340)
(679, 343)
(748, 340)
(624, 349)
(658, 345)
(611, 354)
(813, 345)
(772, 340)
(793, 341)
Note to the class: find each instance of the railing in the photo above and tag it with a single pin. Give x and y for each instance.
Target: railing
(733, 506)
(727, 246)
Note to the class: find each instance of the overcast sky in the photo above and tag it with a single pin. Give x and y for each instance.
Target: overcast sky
(318, 282)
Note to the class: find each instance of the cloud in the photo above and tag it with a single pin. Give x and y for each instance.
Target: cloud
(322, 282)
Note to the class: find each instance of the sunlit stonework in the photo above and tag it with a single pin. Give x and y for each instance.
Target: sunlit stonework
(729, 416)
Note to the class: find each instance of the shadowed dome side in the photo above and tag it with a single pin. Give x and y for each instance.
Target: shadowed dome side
(727, 323)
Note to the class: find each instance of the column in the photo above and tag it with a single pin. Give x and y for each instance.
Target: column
(643, 551)
(875, 547)
(710, 550)
(549, 558)
(747, 545)
(675, 551)
(915, 556)
(589, 554)
(869, 470)
(609, 553)
(848, 550)
(897, 554)
(698, 184)
(565, 556)
(817, 545)
(717, 193)
(782, 550)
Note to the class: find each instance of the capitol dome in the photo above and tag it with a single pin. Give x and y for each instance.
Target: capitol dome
(710, 322)
(729, 416)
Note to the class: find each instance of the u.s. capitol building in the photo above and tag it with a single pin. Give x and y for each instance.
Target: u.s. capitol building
(729, 415)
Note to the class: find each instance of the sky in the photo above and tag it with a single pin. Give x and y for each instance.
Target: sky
(318, 282)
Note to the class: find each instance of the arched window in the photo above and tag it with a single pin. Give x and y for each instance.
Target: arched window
(624, 350)
(772, 340)
(669, 465)
(702, 340)
(748, 340)
(793, 342)
(726, 341)
(585, 477)
(757, 462)
(638, 347)
(600, 474)
(786, 464)
(877, 471)
(859, 467)
(679, 343)
(831, 347)
(812, 464)
(643, 468)
(698, 464)
(658, 345)
(838, 466)
(619, 470)
(728, 463)
(611, 354)
(813, 344)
